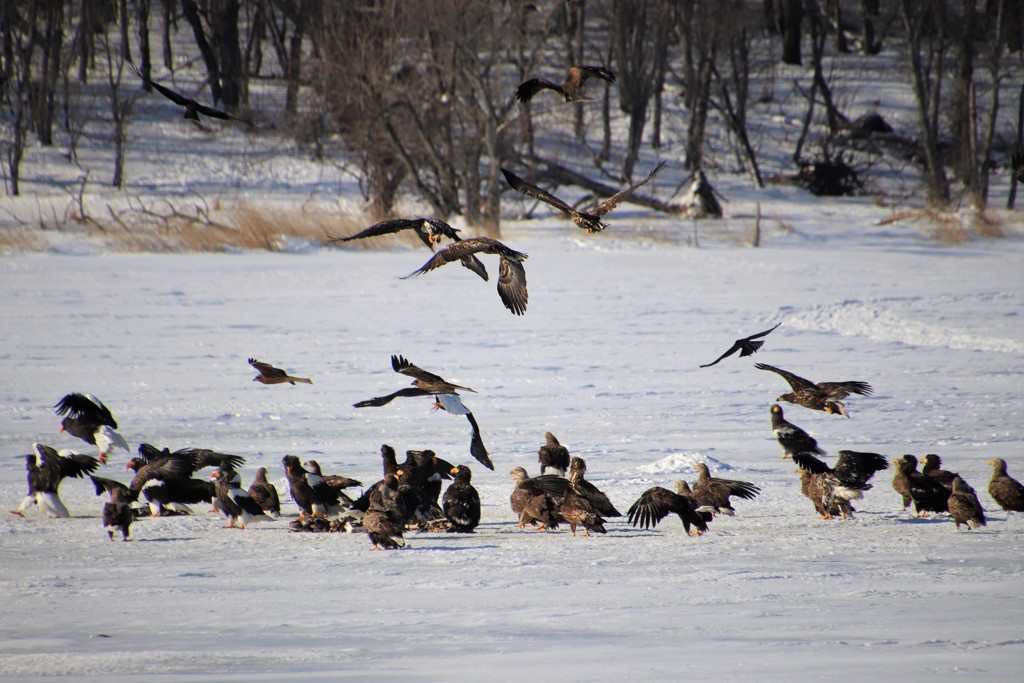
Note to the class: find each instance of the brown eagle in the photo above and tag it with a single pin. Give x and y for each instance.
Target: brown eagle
(588, 220)
(511, 274)
(271, 375)
(825, 396)
(570, 88)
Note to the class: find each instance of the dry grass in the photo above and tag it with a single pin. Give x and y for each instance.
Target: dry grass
(15, 239)
(953, 228)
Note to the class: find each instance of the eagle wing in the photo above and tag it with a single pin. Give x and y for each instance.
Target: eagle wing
(840, 390)
(266, 369)
(378, 401)
(527, 89)
(613, 201)
(78, 406)
(529, 190)
(795, 381)
(512, 285)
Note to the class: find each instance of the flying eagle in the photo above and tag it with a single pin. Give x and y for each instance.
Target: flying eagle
(588, 220)
(445, 395)
(511, 274)
(91, 421)
(570, 88)
(192, 108)
(746, 346)
(271, 375)
(825, 396)
(430, 231)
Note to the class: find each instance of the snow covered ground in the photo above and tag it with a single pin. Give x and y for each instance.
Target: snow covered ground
(607, 359)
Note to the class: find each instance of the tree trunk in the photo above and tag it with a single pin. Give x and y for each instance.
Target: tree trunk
(792, 17)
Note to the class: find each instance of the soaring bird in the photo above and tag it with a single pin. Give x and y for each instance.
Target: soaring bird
(46, 470)
(714, 492)
(461, 501)
(790, 437)
(603, 506)
(446, 398)
(235, 502)
(588, 220)
(746, 346)
(838, 485)
(553, 456)
(192, 108)
(265, 494)
(537, 500)
(430, 231)
(91, 421)
(511, 274)
(271, 375)
(383, 521)
(657, 502)
(927, 494)
(570, 88)
(964, 506)
(1004, 489)
(825, 396)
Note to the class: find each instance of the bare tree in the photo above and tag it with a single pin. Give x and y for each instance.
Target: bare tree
(926, 47)
(699, 23)
(215, 28)
(640, 40)
(792, 18)
(423, 98)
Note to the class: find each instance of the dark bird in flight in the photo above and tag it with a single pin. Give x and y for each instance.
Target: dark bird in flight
(445, 395)
(792, 439)
(825, 396)
(511, 274)
(430, 231)
(746, 346)
(588, 220)
(192, 108)
(91, 421)
(271, 375)
(570, 88)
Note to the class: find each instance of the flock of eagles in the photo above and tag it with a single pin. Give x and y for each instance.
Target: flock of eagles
(409, 494)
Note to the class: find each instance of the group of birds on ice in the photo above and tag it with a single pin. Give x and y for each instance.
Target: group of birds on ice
(409, 494)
